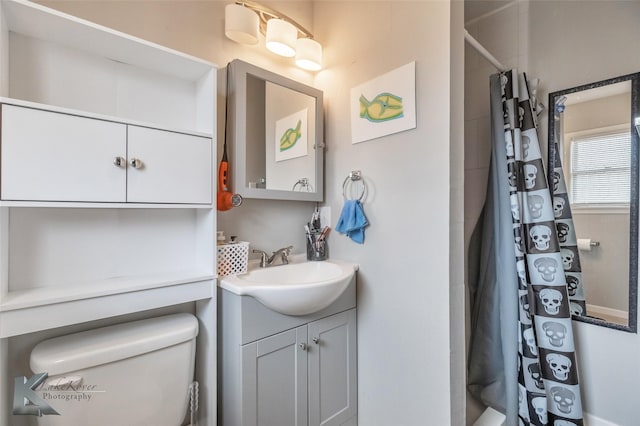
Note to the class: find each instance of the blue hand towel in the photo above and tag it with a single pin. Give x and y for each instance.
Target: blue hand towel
(352, 221)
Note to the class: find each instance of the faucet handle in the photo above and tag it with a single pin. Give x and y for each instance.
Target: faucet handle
(286, 252)
(263, 257)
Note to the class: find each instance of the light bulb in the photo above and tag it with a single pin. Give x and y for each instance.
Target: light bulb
(308, 54)
(281, 37)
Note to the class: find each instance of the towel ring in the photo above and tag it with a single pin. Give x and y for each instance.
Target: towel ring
(302, 184)
(347, 185)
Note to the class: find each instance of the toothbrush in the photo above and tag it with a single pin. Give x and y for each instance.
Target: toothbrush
(308, 231)
(322, 237)
(324, 233)
(315, 219)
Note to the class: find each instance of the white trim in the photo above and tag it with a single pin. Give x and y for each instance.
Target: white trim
(585, 209)
(591, 420)
(490, 417)
(597, 311)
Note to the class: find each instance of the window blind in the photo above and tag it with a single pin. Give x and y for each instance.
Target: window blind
(600, 168)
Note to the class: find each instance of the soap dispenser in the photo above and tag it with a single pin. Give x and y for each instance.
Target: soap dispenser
(220, 240)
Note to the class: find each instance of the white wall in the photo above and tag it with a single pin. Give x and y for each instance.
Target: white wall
(404, 279)
(565, 44)
(411, 268)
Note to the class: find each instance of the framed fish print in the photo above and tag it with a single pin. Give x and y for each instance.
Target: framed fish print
(291, 136)
(384, 105)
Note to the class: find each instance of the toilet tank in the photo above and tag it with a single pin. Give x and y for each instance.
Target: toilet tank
(136, 373)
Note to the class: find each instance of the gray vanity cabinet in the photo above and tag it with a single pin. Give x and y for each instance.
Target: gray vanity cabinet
(274, 380)
(279, 370)
(332, 369)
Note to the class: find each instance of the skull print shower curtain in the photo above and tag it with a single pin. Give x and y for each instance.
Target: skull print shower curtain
(521, 353)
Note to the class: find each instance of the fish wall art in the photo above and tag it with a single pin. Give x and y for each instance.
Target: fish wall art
(291, 136)
(384, 105)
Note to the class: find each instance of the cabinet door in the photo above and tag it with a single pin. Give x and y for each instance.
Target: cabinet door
(172, 167)
(274, 380)
(332, 369)
(50, 156)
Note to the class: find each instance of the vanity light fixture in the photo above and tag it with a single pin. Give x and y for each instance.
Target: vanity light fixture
(241, 24)
(283, 35)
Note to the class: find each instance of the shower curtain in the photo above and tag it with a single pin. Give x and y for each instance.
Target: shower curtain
(521, 352)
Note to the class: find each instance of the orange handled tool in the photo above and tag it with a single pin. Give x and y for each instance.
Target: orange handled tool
(225, 198)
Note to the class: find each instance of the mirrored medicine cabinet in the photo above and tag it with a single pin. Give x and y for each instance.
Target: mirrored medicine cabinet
(274, 134)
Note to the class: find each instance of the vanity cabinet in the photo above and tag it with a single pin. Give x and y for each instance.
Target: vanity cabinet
(302, 376)
(332, 369)
(53, 156)
(274, 380)
(287, 370)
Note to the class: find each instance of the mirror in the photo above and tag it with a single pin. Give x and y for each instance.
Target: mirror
(275, 134)
(593, 146)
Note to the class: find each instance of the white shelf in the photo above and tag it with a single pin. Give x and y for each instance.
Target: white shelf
(47, 24)
(97, 306)
(103, 117)
(91, 205)
(54, 59)
(29, 298)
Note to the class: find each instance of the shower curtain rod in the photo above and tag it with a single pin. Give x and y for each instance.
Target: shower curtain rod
(484, 52)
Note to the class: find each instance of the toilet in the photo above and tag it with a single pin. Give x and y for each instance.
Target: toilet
(136, 373)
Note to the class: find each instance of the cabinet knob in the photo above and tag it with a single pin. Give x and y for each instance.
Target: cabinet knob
(316, 340)
(303, 346)
(119, 162)
(135, 163)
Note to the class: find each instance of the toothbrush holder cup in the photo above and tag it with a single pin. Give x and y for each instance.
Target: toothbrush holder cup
(317, 248)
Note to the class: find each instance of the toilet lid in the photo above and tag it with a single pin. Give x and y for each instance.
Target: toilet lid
(99, 346)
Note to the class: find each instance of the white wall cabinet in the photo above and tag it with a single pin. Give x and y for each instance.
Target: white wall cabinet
(171, 167)
(52, 156)
(59, 157)
(86, 232)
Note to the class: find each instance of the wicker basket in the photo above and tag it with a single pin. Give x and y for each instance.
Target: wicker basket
(232, 258)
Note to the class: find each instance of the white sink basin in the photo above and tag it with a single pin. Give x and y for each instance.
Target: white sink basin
(299, 288)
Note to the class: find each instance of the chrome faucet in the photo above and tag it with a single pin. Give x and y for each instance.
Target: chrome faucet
(266, 260)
